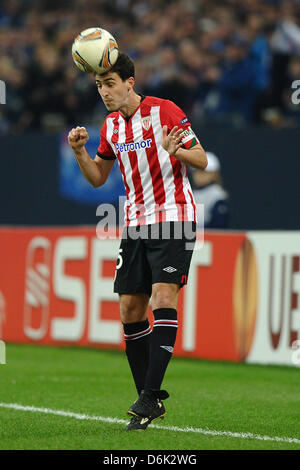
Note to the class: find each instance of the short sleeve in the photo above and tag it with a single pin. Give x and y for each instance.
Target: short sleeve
(171, 115)
(104, 150)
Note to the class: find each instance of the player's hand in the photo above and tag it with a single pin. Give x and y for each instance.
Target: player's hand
(172, 142)
(78, 138)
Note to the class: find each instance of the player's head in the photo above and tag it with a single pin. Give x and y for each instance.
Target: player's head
(116, 85)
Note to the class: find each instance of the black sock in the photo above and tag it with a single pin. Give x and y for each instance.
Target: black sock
(161, 346)
(137, 340)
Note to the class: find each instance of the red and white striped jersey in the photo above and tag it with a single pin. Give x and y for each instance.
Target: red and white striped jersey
(156, 184)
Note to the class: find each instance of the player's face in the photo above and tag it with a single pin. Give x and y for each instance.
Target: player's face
(113, 91)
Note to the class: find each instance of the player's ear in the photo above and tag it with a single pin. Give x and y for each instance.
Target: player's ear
(130, 83)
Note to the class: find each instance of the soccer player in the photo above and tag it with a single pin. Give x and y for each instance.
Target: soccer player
(153, 142)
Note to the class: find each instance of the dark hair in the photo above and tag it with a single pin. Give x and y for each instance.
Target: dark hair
(124, 67)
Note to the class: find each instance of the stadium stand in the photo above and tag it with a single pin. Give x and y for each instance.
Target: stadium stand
(225, 62)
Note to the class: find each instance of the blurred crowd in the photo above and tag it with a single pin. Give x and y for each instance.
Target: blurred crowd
(226, 62)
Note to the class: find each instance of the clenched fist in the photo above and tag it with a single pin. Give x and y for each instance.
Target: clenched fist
(78, 138)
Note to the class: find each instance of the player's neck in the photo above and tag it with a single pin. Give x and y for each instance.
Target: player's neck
(131, 106)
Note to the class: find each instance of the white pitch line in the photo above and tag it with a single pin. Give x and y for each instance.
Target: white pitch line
(208, 432)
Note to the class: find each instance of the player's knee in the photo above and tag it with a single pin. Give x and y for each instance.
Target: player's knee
(165, 296)
(131, 310)
(162, 302)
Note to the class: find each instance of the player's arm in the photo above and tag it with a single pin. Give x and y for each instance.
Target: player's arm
(95, 171)
(195, 156)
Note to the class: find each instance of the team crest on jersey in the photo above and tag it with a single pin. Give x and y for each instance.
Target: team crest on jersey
(146, 122)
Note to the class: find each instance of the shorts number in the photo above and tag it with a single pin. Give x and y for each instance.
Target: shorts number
(120, 259)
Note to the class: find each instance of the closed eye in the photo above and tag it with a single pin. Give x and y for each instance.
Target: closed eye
(109, 84)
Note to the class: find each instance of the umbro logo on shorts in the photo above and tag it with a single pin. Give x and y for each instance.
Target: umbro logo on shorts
(169, 269)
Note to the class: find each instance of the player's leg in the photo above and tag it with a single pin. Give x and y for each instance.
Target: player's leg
(133, 284)
(169, 260)
(164, 306)
(137, 333)
(149, 406)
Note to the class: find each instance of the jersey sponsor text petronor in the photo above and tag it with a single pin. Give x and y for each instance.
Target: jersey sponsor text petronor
(133, 146)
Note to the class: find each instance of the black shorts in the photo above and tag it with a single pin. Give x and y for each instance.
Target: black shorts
(154, 253)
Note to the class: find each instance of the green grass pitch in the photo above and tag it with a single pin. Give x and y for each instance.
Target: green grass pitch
(213, 396)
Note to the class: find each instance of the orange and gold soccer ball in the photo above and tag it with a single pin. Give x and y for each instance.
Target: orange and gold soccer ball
(95, 50)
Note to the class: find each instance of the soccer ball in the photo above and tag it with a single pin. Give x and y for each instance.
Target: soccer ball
(95, 50)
